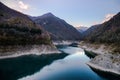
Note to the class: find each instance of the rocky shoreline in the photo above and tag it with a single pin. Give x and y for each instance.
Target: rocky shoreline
(19, 50)
(102, 69)
(106, 64)
(64, 42)
(105, 60)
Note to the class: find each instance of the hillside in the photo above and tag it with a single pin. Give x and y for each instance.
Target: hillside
(16, 28)
(108, 32)
(86, 34)
(104, 40)
(58, 28)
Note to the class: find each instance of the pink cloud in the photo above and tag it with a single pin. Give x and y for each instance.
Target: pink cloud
(108, 17)
(23, 5)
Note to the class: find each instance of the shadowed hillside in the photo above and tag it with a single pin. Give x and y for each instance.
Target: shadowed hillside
(108, 32)
(58, 28)
(17, 28)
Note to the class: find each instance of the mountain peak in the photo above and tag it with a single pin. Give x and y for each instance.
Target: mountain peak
(82, 29)
(48, 15)
(58, 28)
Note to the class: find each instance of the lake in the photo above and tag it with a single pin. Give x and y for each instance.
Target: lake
(69, 65)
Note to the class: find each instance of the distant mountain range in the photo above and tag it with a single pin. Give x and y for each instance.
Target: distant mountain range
(89, 31)
(57, 28)
(18, 28)
(108, 32)
(81, 29)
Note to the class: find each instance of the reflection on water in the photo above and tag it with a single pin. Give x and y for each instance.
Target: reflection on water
(72, 67)
(14, 68)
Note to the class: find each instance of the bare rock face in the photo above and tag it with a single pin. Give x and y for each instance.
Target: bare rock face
(18, 50)
(106, 62)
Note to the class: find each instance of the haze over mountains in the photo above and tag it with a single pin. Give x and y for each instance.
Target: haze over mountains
(81, 29)
(58, 28)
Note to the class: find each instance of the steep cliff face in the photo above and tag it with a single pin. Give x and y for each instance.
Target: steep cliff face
(16, 29)
(58, 28)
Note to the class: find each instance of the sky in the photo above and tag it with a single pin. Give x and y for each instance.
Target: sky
(75, 12)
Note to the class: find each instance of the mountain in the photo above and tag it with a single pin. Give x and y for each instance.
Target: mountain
(18, 28)
(58, 28)
(107, 32)
(81, 29)
(89, 31)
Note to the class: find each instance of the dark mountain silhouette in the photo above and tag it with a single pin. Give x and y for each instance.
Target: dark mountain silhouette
(58, 28)
(18, 28)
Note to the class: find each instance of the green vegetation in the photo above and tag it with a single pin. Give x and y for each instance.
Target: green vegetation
(16, 35)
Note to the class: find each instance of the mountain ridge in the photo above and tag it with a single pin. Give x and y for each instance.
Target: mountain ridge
(58, 28)
(81, 29)
(17, 28)
(105, 33)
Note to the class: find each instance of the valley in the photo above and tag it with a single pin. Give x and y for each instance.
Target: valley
(46, 47)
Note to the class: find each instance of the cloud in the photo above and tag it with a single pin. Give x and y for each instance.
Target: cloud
(23, 5)
(108, 17)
